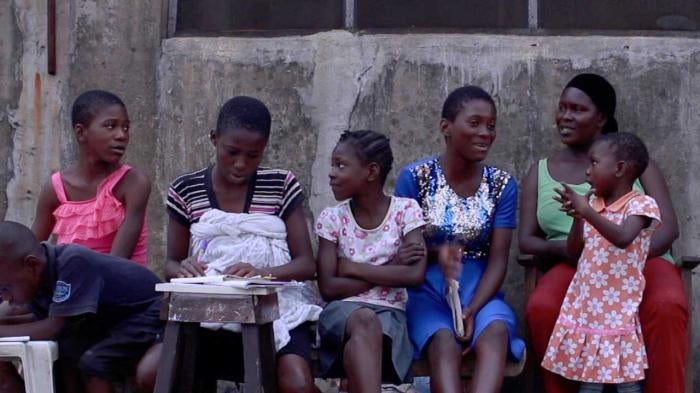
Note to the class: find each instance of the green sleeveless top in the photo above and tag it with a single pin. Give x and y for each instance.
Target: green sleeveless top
(556, 224)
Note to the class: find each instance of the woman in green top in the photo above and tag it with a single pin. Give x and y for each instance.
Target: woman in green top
(586, 111)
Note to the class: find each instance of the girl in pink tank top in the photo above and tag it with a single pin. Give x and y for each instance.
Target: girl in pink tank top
(97, 202)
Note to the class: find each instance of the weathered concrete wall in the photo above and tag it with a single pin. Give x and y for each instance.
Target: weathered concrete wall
(116, 48)
(10, 86)
(319, 85)
(30, 105)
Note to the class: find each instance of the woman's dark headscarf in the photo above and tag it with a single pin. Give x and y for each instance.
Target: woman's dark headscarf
(601, 93)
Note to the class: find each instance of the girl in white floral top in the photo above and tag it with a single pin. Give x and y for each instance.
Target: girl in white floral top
(370, 248)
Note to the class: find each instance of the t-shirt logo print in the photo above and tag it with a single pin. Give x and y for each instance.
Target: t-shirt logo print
(61, 292)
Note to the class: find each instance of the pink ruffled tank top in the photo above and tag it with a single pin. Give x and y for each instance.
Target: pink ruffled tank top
(94, 222)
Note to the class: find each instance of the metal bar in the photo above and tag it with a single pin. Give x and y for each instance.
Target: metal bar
(533, 14)
(51, 37)
(350, 14)
(172, 18)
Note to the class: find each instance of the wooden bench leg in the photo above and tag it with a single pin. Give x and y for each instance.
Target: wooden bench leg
(687, 266)
(167, 370)
(531, 366)
(260, 358)
(188, 380)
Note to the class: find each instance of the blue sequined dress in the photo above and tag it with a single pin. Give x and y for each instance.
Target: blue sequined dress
(470, 222)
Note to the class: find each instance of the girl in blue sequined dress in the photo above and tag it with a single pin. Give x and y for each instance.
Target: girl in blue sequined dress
(470, 208)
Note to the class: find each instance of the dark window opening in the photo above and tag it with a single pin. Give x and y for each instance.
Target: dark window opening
(620, 14)
(222, 16)
(441, 14)
(279, 17)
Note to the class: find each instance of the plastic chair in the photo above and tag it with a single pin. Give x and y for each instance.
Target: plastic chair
(37, 359)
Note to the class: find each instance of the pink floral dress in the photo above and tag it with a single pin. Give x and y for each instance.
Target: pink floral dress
(597, 337)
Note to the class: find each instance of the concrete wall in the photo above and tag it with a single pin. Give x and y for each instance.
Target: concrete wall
(30, 106)
(316, 86)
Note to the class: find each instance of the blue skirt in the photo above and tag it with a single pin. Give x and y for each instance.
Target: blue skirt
(427, 310)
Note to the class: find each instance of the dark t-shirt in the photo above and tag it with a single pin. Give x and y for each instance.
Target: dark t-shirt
(78, 281)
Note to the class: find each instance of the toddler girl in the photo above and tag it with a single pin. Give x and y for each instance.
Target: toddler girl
(597, 338)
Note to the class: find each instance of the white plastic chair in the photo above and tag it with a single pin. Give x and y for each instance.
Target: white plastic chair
(37, 359)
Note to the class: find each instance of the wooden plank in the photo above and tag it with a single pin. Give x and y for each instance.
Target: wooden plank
(190, 307)
(167, 370)
(188, 364)
(687, 266)
(212, 289)
(421, 367)
(266, 308)
(51, 37)
(259, 359)
(164, 306)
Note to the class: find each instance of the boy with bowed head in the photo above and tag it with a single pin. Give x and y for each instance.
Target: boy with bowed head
(103, 312)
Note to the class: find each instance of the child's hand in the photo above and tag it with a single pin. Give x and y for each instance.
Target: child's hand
(408, 254)
(468, 317)
(450, 260)
(243, 269)
(573, 203)
(191, 267)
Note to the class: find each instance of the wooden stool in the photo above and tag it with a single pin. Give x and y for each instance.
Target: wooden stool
(187, 305)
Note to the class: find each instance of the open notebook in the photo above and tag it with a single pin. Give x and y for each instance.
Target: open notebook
(231, 281)
(455, 306)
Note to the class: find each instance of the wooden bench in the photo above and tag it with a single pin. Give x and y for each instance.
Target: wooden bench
(533, 268)
(421, 367)
(185, 306)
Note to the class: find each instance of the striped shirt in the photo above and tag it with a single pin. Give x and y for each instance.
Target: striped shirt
(272, 191)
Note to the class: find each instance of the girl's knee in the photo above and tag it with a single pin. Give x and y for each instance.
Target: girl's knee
(147, 369)
(296, 384)
(664, 308)
(7, 368)
(9, 378)
(294, 375)
(495, 333)
(543, 305)
(8, 374)
(548, 296)
(364, 321)
(498, 328)
(443, 343)
(145, 379)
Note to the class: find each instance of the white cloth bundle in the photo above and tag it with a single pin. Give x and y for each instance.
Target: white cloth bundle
(223, 239)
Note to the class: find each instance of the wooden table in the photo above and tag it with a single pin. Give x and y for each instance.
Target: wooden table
(186, 305)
